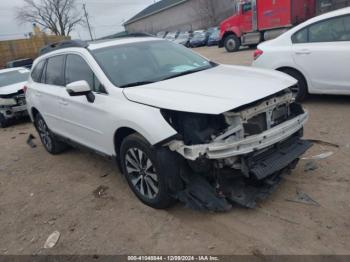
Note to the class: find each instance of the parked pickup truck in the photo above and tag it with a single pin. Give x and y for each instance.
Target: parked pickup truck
(260, 20)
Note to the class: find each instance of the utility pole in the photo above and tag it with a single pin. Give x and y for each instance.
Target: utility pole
(87, 20)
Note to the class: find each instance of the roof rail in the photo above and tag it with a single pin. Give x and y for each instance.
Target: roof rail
(138, 34)
(62, 44)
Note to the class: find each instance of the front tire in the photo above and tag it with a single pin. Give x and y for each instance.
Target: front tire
(232, 43)
(143, 173)
(48, 139)
(3, 121)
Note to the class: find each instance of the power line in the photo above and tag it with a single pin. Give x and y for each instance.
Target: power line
(87, 20)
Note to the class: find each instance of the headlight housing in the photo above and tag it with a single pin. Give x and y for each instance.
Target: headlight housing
(7, 102)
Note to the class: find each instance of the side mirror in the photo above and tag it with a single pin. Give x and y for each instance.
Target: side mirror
(81, 88)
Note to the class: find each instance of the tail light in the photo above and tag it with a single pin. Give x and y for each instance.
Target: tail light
(25, 89)
(258, 53)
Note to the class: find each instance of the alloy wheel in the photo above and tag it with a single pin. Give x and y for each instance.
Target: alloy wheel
(44, 133)
(142, 173)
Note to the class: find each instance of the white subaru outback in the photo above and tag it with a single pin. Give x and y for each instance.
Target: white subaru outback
(180, 126)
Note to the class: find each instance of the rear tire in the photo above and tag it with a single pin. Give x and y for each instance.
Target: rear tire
(3, 121)
(49, 140)
(300, 92)
(143, 173)
(232, 43)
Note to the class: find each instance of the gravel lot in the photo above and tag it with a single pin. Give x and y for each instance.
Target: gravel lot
(40, 193)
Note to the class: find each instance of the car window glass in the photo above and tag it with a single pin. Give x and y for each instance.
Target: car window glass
(54, 70)
(300, 36)
(346, 22)
(77, 69)
(247, 7)
(37, 71)
(149, 61)
(328, 31)
(13, 77)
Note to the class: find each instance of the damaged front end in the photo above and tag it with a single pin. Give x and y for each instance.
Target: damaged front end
(238, 156)
(12, 106)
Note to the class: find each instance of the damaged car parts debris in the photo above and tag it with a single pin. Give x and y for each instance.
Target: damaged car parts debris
(179, 126)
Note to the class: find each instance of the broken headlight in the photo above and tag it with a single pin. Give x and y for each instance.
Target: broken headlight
(195, 128)
(7, 102)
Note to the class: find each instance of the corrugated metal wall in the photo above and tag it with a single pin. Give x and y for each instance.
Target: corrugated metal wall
(24, 48)
(186, 16)
(324, 6)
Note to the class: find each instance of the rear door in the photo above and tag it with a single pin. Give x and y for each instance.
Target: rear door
(322, 50)
(49, 91)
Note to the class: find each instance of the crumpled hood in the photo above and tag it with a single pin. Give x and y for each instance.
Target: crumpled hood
(212, 91)
(11, 89)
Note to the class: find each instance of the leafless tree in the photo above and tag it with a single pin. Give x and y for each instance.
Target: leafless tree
(58, 16)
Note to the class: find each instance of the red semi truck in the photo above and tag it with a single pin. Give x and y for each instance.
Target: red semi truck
(260, 20)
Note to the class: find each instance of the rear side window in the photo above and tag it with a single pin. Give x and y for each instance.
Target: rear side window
(77, 69)
(38, 71)
(54, 71)
(331, 30)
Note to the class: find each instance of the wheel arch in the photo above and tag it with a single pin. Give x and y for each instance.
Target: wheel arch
(33, 113)
(283, 68)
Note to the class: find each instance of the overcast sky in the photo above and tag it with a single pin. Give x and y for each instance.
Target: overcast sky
(106, 17)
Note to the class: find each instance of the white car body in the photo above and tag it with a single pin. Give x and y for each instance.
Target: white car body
(213, 92)
(12, 100)
(324, 65)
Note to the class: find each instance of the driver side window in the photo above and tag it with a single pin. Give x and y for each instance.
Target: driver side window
(77, 69)
(247, 7)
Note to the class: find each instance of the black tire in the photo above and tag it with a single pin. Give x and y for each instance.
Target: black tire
(3, 121)
(143, 173)
(48, 139)
(253, 46)
(301, 90)
(232, 43)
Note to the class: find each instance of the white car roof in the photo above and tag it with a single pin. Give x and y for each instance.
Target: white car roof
(120, 41)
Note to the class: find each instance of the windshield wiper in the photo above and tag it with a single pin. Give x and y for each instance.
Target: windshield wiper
(185, 73)
(140, 83)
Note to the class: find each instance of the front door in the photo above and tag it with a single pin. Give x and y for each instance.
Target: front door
(85, 122)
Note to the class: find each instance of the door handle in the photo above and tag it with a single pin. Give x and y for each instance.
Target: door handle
(63, 102)
(303, 52)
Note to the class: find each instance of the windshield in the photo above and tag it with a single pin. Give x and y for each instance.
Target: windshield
(199, 35)
(13, 77)
(170, 36)
(215, 34)
(148, 62)
(183, 36)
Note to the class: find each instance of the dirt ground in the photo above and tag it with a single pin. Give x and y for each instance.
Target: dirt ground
(40, 194)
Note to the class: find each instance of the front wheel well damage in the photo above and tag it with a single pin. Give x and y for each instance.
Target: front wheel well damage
(119, 136)
(34, 112)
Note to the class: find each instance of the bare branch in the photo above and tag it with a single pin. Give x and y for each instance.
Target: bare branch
(58, 16)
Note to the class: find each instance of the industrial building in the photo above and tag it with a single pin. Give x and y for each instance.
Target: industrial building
(171, 15)
(168, 15)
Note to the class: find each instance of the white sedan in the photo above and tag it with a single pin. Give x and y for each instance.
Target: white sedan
(316, 53)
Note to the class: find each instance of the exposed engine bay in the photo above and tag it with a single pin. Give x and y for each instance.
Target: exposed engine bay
(240, 149)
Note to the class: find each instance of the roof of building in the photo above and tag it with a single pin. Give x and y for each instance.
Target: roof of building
(154, 8)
